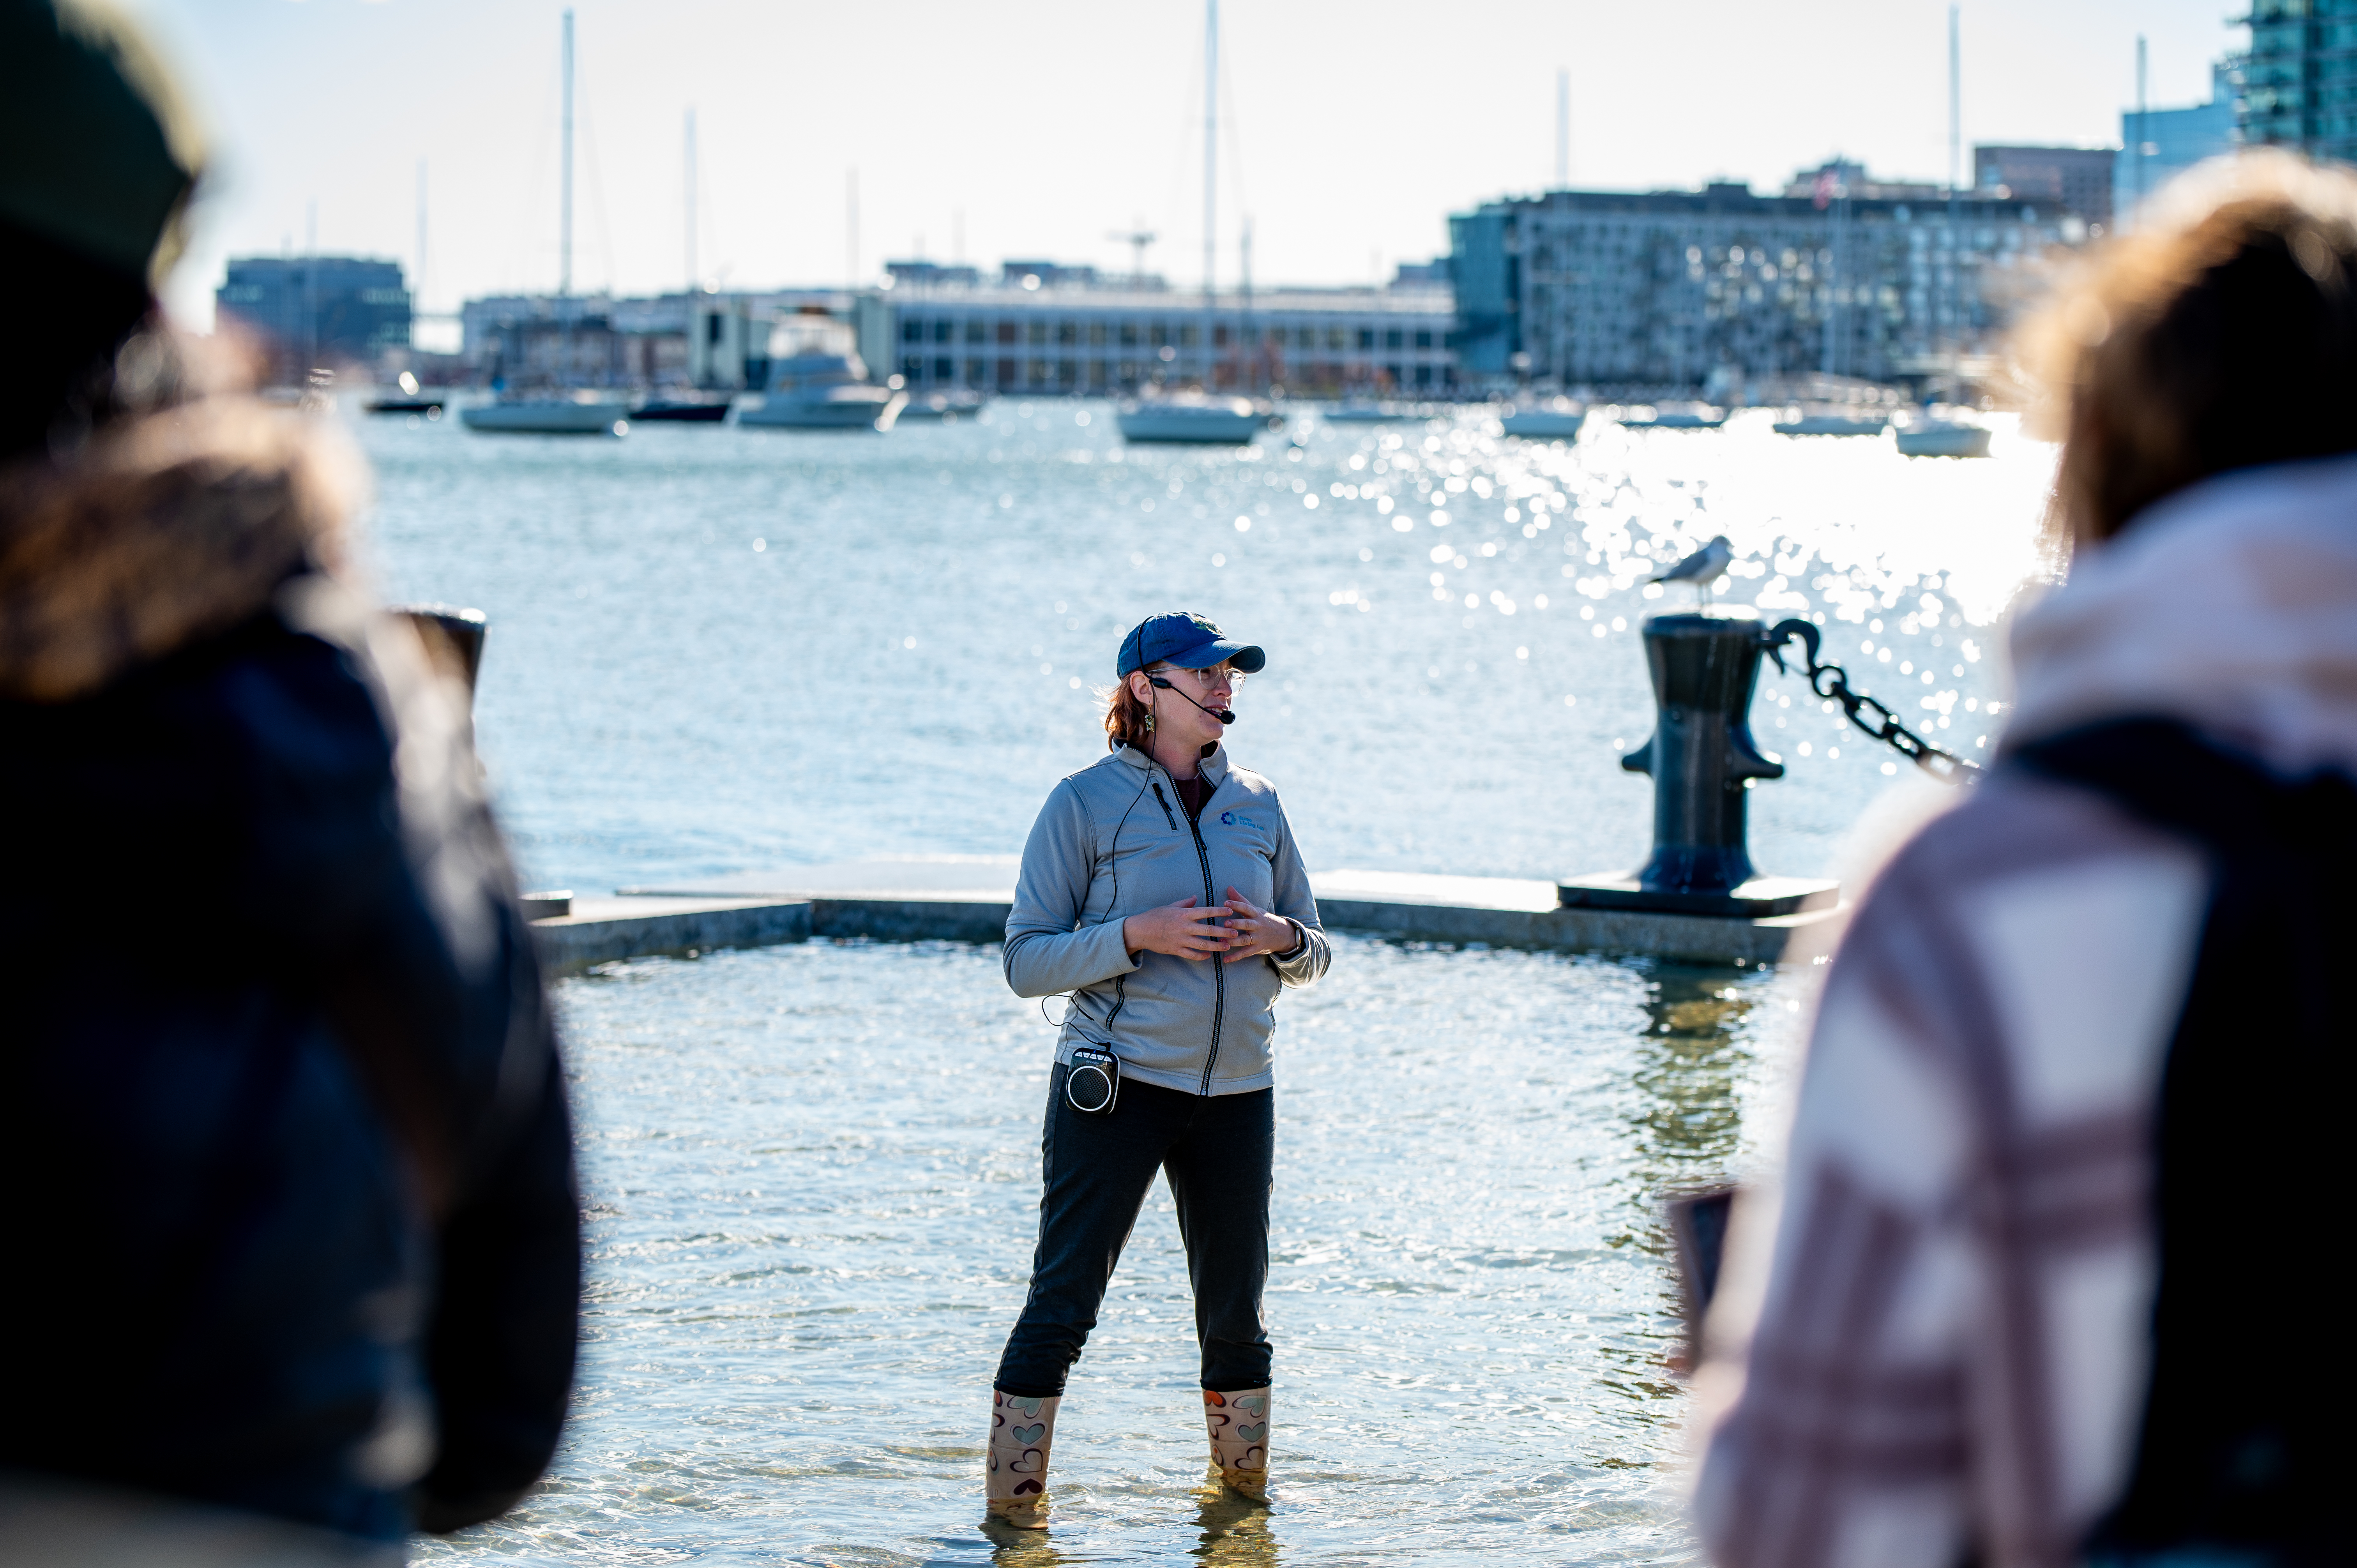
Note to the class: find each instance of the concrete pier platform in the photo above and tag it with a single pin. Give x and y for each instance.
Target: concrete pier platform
(1513, 912)
(601, 931)
(965, 899)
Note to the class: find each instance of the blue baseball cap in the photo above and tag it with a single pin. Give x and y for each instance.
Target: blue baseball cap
(1189, 641)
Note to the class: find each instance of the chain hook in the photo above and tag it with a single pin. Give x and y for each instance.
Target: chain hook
(1831, 682)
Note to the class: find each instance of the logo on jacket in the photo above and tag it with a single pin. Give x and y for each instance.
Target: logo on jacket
(1230, 819)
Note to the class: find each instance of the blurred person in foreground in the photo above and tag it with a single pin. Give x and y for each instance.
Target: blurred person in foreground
(2050, 1279)
(293, 1225)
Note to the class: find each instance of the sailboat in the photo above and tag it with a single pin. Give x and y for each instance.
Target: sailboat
(556, 414)
(1929, 432)
(1201, 418)
(583, 415)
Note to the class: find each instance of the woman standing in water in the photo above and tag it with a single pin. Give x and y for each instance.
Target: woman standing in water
(1161, 887)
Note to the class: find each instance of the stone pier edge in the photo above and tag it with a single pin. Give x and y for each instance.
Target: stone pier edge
(608, 931)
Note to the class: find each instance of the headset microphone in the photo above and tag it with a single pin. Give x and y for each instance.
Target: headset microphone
(1225, 715)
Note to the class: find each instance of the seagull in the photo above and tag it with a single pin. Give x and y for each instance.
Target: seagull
(1703, 567)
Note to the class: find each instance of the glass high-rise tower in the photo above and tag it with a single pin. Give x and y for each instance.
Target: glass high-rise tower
(2299, 88)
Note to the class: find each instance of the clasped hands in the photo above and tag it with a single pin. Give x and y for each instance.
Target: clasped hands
(1236, 930)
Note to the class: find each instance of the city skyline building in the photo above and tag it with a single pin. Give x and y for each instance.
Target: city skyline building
(1668, 290)
(1113, 341)
(2157, 144)
(2080, 179)
(939, 328)
(2299, 84)
(314, 310)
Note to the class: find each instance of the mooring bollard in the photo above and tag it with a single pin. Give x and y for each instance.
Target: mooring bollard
(1703, 762)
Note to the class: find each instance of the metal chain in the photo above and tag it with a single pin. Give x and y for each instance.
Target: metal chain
(1831, 682)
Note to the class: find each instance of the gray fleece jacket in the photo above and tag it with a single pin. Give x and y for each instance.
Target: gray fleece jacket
(1113, 841)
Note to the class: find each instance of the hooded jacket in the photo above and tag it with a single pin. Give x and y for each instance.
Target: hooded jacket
(297, 1228)
(1935, 1342)
(1113, 841)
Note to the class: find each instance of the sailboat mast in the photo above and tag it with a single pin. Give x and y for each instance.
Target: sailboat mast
(1562, 129)
(690, 201)
(1244, 346)
(564, 189)
(1955, 289)
(1210, 173)
(2136, 154)
(418, 290)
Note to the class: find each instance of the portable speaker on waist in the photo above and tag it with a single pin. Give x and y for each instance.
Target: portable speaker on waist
(1093, 1081)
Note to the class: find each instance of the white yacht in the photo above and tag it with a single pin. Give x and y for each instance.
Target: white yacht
(1675, 417)
(1551, 419)
(946, 407)
(818, 382)
(1833, 422)
(1928, 434)
(586, 414)
(1205, 420)
(1363, 410)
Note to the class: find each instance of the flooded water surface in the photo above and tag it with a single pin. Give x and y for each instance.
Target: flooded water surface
(813, 1170)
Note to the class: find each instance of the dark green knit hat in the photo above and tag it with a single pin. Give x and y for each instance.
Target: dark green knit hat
(97, 150)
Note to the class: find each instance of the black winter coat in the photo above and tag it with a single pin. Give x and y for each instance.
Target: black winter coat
(283, 1128)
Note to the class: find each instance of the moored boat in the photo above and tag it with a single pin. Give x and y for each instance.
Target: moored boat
(1195, 419)
(681, 411)
(817, 381)
(1833, 422)
(409, 398)
(1942, 436)
(944, 407)
(1361, 410)
(586, 416)
(1556, 419)
(1675, 417)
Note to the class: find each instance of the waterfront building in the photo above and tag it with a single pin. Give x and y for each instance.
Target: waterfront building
(1841, 178)
(1077, 339)
(1642, 293)
(522, 341)
(2078, 179)
(917, 275)
(2300, 85)
(317, 310)
(701, 339)
(2156, 144)
(1049, 275)
(938, 331)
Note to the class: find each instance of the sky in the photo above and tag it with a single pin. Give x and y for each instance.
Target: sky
(1349, 129)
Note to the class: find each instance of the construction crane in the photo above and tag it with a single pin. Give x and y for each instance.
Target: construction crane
(1136, 239)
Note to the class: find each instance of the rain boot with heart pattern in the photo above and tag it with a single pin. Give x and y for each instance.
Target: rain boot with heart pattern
(1239, 1428)
(1017, 1485)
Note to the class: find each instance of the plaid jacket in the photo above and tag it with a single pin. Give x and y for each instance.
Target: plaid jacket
(1950, 1351)
(1931, 1343)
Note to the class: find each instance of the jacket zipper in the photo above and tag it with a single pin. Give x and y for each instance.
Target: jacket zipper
(1219, 970)
(1218, 965)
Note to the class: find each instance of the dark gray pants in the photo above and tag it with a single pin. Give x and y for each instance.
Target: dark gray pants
(1095, 1173)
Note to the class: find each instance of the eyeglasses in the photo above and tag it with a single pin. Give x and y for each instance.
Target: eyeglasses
(1217, 675)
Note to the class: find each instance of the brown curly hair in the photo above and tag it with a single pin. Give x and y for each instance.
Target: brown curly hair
(1124, 717)
(2219, 334)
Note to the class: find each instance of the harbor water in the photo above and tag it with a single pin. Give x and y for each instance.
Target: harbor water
(813, 1170)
